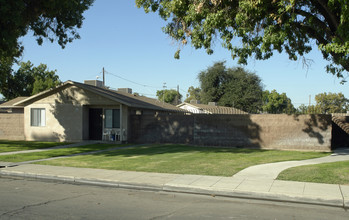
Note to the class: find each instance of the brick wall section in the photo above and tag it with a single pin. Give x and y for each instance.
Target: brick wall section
(304, 132)
(11, 126)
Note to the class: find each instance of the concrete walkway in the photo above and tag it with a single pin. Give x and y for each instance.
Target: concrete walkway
(271, 171)
(51, 148)
(241, 185)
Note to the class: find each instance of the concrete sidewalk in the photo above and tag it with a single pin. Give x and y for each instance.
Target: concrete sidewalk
(241, 187)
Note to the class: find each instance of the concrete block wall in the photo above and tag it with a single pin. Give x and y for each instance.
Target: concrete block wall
(303, 132)
(161, 128)
(11, 126)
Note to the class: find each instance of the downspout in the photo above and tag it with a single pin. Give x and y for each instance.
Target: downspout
(121, 127)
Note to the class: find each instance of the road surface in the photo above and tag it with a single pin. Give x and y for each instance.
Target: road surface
(32, 199)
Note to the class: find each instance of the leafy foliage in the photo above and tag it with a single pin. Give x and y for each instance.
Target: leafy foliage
(232, 87)
(51, 19)
(260, 27)
(169, 96)
(327, 103)
(27, 80)
(193, 94)
(276, 103)
(331, 103)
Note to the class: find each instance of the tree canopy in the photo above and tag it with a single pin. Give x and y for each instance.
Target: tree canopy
(232, 87)
(193, 94)
(28, 80)
(327, 103)
(51, 19)
(169, 96)
(276, 103)
(259, 28)
(331, 103)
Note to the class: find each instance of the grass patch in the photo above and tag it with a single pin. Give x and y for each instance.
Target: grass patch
(332, 173)
(182, 159)
(9, 146)
(56, 152)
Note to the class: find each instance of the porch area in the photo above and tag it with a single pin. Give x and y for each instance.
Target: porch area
(107, 123)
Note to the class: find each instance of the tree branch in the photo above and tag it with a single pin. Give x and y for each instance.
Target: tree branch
(311, 32)
(330, 17)
(317, 21)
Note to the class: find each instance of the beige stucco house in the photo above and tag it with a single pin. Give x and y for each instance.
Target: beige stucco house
(85, 111)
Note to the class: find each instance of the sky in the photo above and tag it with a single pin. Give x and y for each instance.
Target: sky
(130, 45)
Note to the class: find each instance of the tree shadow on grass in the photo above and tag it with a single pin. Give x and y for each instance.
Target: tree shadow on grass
(158, 149)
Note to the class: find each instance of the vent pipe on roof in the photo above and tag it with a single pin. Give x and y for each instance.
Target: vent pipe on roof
(126, 90)
(97, 83)
(103, 77)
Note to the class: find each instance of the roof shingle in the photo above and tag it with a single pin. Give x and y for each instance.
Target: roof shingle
(210, 109)
(10, 103)
(128, 99)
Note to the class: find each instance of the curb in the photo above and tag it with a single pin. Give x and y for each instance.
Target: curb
(180, 189)
(257, 196)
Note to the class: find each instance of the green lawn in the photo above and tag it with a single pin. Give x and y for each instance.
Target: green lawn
(55, 153)
(182, 159)
(332, 173)
(8, 146)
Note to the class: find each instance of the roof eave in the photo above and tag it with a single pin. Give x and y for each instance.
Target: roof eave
(21, 103)
(191, 105)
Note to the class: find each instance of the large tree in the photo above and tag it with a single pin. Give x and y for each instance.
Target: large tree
(331, 103)
(260, 27)
(232, 87)
(55, 20)
(51, 19)
(28, 80)
(193, 94)
(169, 96)
(326, 103)
(276, 103)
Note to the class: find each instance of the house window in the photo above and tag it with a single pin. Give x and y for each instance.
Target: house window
(112, 118)
(38, 117)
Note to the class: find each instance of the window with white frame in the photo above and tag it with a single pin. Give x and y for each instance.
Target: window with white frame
(112, 118)
(38, 117)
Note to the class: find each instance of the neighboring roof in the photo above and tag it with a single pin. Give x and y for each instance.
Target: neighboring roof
(128, 99)
(210, 109)
(11, 103)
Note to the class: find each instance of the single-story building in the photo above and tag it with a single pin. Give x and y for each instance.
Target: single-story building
(212, 108)
(9, 105)
(84, 111)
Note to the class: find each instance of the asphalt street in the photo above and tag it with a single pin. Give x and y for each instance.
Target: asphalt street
(32, 199)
